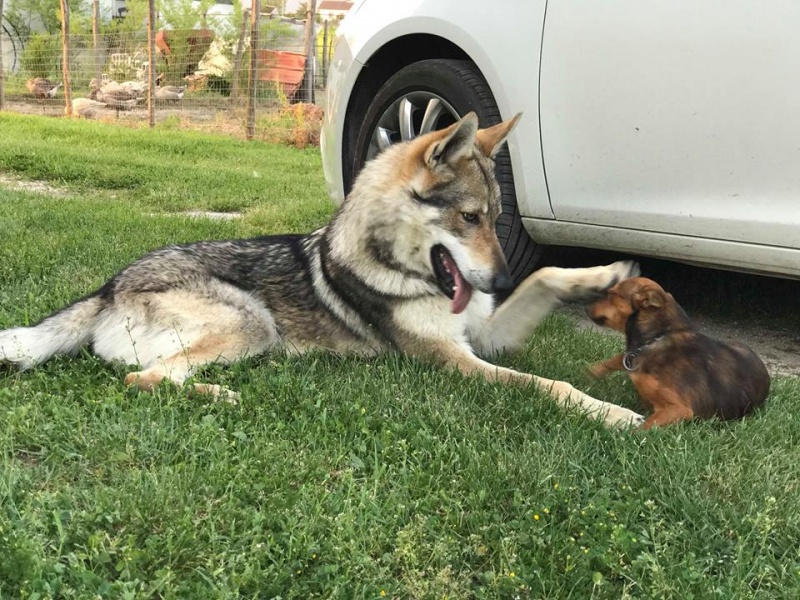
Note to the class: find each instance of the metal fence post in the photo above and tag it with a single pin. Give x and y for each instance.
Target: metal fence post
(96, 38)
(325, 53)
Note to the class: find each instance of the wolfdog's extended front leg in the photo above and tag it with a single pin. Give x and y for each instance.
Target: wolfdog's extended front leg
(514, 321)
(563, 393)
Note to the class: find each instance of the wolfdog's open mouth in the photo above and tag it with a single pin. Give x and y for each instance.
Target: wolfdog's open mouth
(450, 279)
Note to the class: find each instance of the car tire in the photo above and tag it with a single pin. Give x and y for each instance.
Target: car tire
(462, 88)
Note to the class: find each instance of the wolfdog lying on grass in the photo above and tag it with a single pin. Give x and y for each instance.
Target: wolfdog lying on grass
(410, 263)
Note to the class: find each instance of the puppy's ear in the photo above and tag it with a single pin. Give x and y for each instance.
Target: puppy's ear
(648, 299)
(457, 143)
(491, 139)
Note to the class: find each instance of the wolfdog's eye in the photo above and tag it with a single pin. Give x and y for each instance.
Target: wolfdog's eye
(470, 217)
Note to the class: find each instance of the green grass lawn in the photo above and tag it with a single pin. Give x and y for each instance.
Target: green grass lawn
(338, 477)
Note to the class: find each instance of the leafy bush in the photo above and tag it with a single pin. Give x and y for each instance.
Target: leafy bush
(221, 85)
(186, 48)
(42, 56)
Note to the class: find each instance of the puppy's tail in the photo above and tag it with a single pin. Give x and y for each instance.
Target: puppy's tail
(63, 332)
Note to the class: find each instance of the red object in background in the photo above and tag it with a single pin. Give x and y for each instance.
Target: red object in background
(286, 68)
(198, 41)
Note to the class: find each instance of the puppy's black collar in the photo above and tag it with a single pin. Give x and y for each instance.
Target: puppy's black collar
(629, 358)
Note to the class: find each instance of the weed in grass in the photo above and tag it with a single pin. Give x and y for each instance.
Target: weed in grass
(170, 123)
(296, 125)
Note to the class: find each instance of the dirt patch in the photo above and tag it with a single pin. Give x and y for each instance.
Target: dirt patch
(25, 185)
(201, 214)
(776, 347)
(55, 108)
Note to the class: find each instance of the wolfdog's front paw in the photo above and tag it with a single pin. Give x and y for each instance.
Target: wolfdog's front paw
(609, 276)
(586, 284)
(622, 269)
(622, 418)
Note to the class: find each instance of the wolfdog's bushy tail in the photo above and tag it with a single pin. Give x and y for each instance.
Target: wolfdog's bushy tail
(63, 332)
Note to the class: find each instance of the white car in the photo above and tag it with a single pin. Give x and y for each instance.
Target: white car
(667, 128)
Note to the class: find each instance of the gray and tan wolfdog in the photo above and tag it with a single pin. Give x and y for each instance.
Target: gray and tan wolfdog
(410, 263)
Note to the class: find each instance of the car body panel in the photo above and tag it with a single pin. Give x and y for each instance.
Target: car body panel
(736, 256)
(674, 116)
(667, 129)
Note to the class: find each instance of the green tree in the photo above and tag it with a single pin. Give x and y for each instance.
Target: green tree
(301, 11)
(134, 21)
(44, 16)
(178, 15)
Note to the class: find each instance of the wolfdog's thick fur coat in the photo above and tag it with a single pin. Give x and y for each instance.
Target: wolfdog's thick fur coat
(410, 263)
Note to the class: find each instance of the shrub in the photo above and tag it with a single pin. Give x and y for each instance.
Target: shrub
(42, 56)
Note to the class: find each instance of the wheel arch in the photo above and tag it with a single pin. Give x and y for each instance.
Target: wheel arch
(388, 59)
(521, 251)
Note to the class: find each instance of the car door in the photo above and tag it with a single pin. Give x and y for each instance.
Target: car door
(674, 116)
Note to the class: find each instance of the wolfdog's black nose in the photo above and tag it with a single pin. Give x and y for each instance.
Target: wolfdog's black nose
(502, 281)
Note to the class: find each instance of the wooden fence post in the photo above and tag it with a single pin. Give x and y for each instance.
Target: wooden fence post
(253, 79)
(237, 59)
(65, 57)
(308, 79)
(2, 68)
(96, 39)
(151, 63)
(325, 53)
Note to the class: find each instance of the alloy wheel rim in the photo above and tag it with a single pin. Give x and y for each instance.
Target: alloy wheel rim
(409, 116)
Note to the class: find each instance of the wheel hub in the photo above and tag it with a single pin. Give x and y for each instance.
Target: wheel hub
(411, 115)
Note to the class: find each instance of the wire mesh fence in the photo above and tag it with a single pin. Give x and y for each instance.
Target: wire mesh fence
(249, 69)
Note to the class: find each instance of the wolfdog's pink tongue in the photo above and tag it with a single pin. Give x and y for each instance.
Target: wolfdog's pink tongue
(462, 296)
(463, 290)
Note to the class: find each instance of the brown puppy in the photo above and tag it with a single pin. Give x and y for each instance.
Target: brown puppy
(677, 371)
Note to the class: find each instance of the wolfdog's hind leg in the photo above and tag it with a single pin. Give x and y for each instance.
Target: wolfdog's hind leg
(223, 348)
(216, 391)
(173, 333)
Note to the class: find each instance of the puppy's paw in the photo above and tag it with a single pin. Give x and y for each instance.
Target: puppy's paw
(597, 371)
(620, 417)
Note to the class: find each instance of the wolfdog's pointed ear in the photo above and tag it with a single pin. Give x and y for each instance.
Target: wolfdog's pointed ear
(490, 140)
(456, 143)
